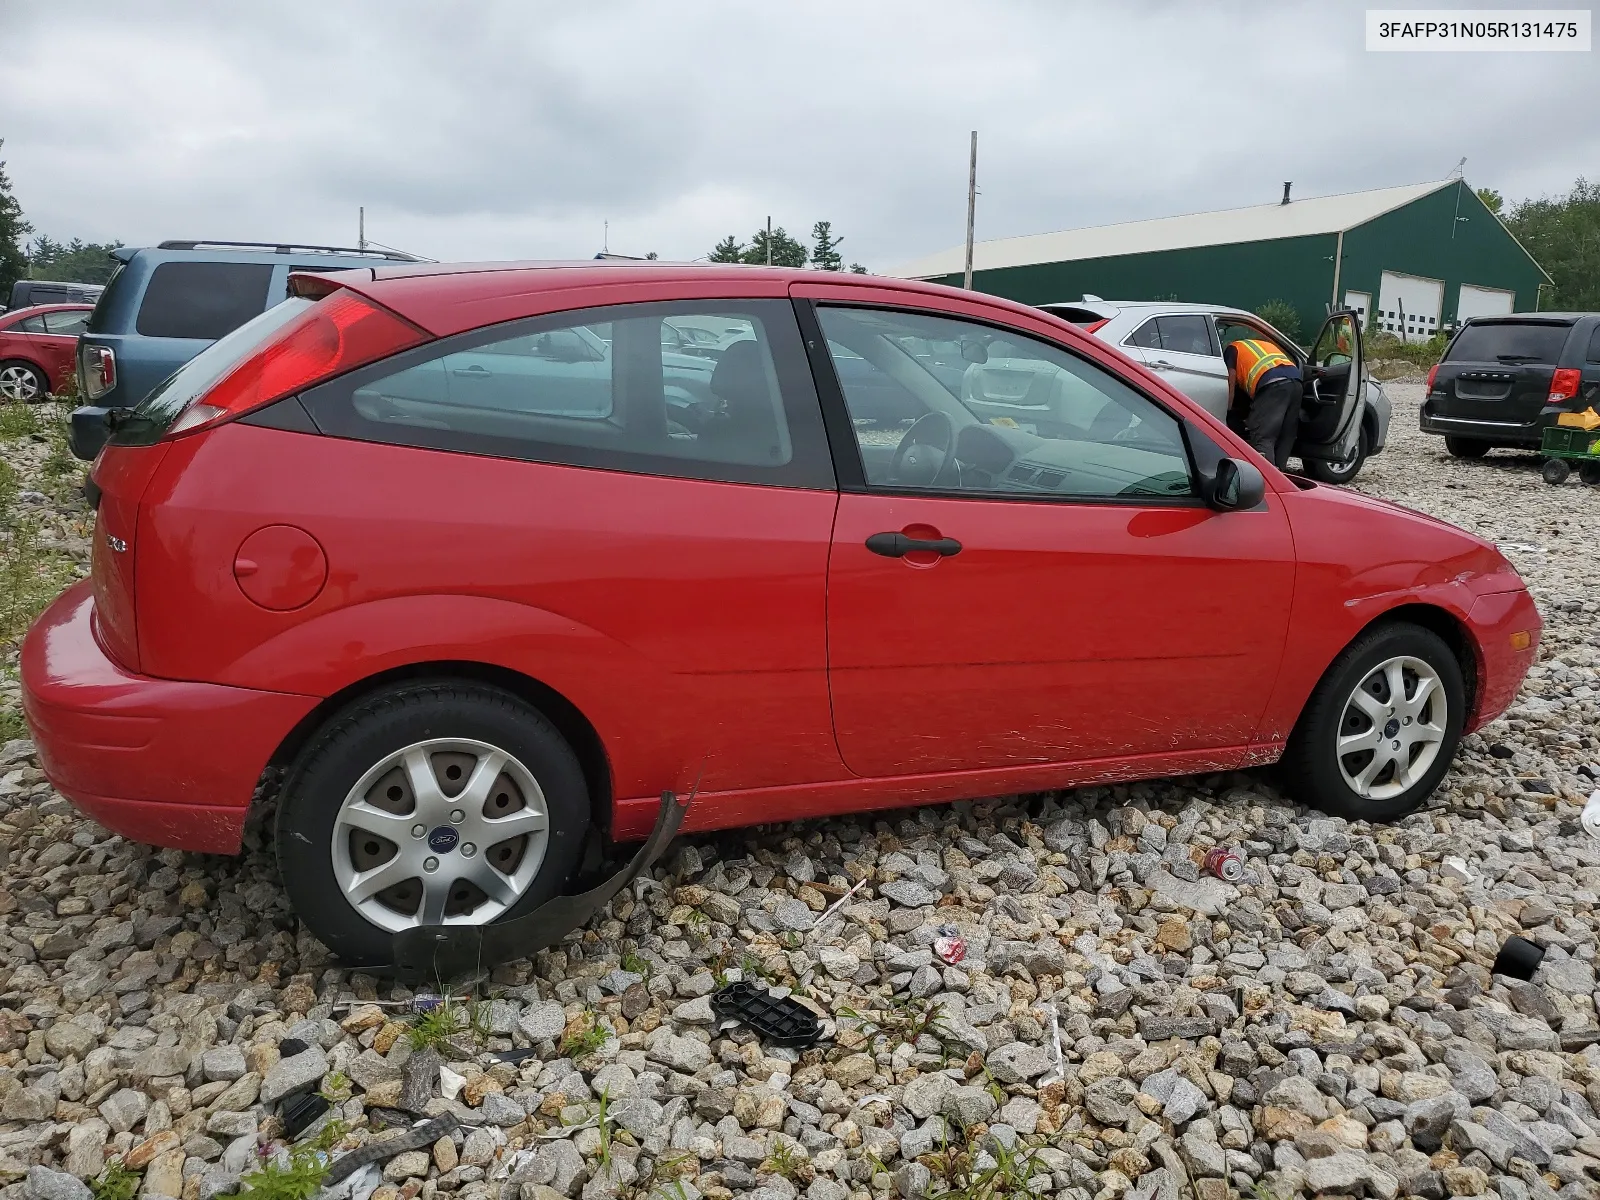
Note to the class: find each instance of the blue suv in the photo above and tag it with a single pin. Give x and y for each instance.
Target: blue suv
(167, 303)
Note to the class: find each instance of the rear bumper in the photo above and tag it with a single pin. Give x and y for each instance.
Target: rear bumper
(158, 761)
(1495, 618)
(1501, 433)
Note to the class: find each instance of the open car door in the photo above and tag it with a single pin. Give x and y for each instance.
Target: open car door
(1330, 416)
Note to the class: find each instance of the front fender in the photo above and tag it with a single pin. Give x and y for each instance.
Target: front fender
(335, 650)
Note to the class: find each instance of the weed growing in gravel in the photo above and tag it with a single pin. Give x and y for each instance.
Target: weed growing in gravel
(436, 1027)
(752, 967)
(637, 964)
(970, 1169)
(902, 1022)
(30, 575)
(335, 1088)
(785, 1160)
(302, 1178)
(116, 1182)
(16, 420)
(585, 1041)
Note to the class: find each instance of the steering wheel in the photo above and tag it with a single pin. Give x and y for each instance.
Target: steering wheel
(923, 457)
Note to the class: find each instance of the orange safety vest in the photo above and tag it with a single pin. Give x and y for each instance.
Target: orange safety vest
(1254, 359)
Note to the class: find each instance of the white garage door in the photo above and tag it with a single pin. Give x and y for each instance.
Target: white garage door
(1408, 305)
(1359, 302)
(1483, 302)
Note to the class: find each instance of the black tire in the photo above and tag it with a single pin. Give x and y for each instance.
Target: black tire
(1589, 473)
(362, 736)
(1460, 447)
(1327, 472)
(1311, 765)
(1555, 471)
(22, 382)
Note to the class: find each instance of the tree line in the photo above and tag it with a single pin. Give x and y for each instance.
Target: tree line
(1563, 235)
(823, 254)
(76, 261)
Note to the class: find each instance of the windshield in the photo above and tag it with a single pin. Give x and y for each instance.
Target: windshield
(163, 404)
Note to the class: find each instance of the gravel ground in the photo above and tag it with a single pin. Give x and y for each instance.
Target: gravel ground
(1327, 1026)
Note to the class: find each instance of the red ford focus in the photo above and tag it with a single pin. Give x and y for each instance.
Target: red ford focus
(465, 561)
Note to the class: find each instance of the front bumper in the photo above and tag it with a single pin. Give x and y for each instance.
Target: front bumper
(159, 761)
(1495, 619)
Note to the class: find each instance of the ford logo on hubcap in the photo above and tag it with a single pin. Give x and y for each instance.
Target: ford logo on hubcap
(443, 839)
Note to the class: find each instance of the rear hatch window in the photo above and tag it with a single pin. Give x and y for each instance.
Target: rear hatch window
(1510, 341)
(163, 404)
(202, 300)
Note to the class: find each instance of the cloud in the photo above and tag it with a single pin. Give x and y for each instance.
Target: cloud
(507, 129)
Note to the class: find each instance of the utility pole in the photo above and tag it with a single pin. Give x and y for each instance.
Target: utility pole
(361, 228)
(972, 208)
(769, 241)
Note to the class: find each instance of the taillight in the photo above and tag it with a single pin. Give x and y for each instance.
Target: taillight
(1433, 373)
(1093, 325)
(1564, 385)
(338, 334)
(97, 371)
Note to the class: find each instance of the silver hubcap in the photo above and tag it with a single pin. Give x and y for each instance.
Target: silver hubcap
(444, 832)
(1392, 728)
(18, 383)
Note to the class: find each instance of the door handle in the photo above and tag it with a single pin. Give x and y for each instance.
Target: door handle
(472, 372)
(1161, 363)
(898, 545)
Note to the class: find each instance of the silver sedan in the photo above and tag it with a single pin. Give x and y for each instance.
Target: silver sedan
(1183, 344)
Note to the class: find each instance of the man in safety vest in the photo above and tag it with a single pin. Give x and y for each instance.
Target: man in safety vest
(1265, 383)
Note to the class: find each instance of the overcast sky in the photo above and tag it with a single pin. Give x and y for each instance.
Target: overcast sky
(516, 129)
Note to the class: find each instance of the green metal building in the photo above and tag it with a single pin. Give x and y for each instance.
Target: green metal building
(1429, 254)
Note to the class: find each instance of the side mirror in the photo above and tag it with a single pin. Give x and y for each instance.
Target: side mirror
(1236, 485)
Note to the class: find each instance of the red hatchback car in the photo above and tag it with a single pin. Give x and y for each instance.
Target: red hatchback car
(36, 349)
(473, 560)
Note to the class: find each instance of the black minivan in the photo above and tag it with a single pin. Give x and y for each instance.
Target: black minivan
(1503, 379)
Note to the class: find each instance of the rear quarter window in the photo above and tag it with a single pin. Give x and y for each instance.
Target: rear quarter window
(1510, 341)
(202, 299)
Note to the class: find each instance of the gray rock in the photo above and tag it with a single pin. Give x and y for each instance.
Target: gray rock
(926, 1094)
(1202, 1155)
(225, 1063)
(499, 1109)
(542, 1022)
(1181, 1100)
(1347, 1171)
(1018, 1063)
(909, 892)
(967, 1106)
(290, 1074)
(419, 1077)
(69, 1038)
(557, 1164)
(1467, 1136)
(1473, 1078)
(639, 1115)
(1110, 1101)
(912, 1179)
(1522, 1143)
(679, 1053)
(124, 1109)
(45, 1184)
(695, 1012)
(1427, 1121)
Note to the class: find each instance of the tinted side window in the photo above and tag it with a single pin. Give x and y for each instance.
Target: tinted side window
(202, 299)
(65, 322)
(33, 324)
(1594, 346)
(1188, 334)
(600, 389)
(1029, 419)
(1147, 336)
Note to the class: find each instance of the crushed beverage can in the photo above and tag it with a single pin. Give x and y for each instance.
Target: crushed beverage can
(949, 948)
(1225, 864)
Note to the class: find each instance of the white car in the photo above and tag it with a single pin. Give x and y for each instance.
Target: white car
(1183, 344)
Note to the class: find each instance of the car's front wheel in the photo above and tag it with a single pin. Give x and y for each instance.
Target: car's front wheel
(22, 381)
(1330, 472)
(1381, 727)
(433, 804)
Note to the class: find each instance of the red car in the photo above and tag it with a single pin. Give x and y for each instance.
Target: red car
(36, 348)
(467, 560)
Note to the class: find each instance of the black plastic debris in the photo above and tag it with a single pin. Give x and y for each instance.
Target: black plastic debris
(300, 1112)
(1518, 958)
(781, 1020)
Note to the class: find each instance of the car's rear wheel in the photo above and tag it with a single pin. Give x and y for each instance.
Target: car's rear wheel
(1329, 472)
(1460, 447)
(1382, 726)
(20, 381)
(435, 803)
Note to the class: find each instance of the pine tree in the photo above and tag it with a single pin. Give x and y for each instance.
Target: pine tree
(13, 229)
(786, 252)
(857, 269)
(728, 250)
(825, 254)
